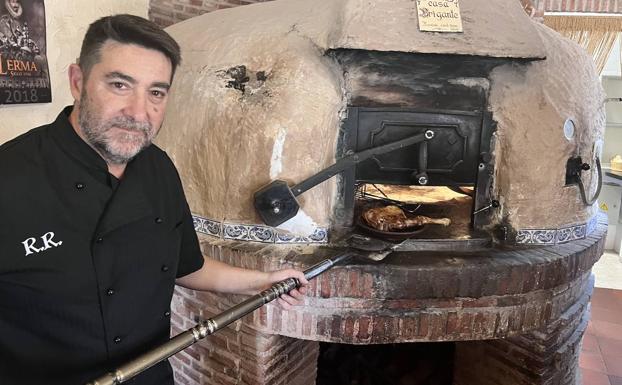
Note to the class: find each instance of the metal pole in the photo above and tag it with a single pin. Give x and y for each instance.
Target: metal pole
(212, 325)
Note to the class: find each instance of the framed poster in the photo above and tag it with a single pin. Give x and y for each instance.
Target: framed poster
(24, 74)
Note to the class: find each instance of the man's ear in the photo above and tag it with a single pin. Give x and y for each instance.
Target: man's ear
(76, 81)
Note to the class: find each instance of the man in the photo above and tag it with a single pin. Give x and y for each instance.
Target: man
(10, 24)
(95, 229)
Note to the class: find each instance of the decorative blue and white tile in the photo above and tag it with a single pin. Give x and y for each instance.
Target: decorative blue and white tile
(261, 234)
(536, 236)
(555, 236)
(319, 235)
(198, 224)
(237, 232)
(206, 226)
(523, 236)
(212, 227)
(564, 235)
(591, 225)
(284, 237)
(254, 233)
(543, 237)
(579, 232)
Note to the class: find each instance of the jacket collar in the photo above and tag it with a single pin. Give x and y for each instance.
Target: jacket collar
(72, 144)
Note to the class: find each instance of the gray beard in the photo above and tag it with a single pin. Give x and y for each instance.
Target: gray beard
(95, 132)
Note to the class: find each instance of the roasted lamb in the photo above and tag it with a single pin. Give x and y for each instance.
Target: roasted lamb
(391, 218)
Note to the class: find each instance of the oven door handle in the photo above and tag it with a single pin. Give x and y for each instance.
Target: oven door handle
(276, 202)
(599, 172)
(353, 159)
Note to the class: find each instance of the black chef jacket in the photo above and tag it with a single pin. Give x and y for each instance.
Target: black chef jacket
(87, 262)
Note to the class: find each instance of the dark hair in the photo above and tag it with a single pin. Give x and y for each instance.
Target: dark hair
(127, 29)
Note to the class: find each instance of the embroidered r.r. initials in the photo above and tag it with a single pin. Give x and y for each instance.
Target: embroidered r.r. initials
(48, 243)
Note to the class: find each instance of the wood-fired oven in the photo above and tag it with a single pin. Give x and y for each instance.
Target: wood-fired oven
(291, 119)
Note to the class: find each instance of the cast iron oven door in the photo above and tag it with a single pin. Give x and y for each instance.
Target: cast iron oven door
(451, 158)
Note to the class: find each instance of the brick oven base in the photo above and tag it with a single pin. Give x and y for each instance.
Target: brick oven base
(517, 316)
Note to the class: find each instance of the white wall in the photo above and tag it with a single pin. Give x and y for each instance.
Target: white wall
(66, 23)
(612, 67)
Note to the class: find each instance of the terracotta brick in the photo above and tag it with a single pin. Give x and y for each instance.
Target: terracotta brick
(408, 329)
(379, 329)
(325, 285)
(201, 369)
(193, 352)
(191, 374)
(218, 341)
(323, 326)
(452, 323)
(437, 326)
(335, 326)
(348, 331)
(353, 284)
(424, 323)
(465, 323)
(307, 319)
(277, 318)
(363, 328)
(367, 285)
(483, 325)
(183, 358)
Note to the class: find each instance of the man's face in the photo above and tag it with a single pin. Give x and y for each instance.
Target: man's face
(14, 7)
(122, 102)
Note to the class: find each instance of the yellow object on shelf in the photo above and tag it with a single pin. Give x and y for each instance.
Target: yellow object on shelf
(616, 163)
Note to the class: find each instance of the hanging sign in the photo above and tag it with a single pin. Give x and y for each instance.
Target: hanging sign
(439, 15)
(24, 74)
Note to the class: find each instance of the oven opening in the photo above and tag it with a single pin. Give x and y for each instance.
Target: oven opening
(386, 364)
(400, 212)
(435, 189)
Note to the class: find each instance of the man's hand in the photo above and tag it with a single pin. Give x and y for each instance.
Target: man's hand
(295, 297)
(223, 278)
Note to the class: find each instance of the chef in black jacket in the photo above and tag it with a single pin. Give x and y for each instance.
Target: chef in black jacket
(95, 230)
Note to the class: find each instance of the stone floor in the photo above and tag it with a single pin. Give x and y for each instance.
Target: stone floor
(601, 355)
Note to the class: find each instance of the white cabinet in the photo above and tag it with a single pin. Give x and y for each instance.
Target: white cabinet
(610, 201)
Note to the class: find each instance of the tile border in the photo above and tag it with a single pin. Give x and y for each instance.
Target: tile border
(556, 236)
(255, 233)
(267, 234)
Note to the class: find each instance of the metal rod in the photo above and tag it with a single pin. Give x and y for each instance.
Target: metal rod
(358, 157)
(212, 325)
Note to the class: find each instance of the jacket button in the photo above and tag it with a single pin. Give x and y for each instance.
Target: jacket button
(99, 240)
(159, 220)
(110, 292)
(164, 268)
(80, 185)
(167, 313)
(117, 340)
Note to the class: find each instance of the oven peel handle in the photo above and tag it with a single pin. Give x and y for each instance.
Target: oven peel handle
(201, 330)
